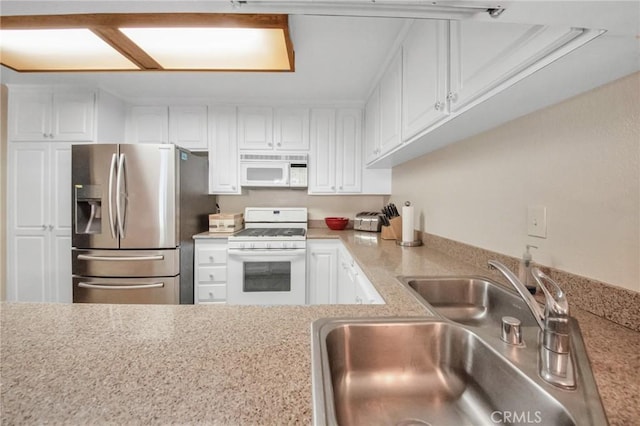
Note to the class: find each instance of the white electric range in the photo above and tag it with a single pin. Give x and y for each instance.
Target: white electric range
(267, 260)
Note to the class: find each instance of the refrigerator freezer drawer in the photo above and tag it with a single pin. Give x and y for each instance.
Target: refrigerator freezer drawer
(126, 263)
(152, 290)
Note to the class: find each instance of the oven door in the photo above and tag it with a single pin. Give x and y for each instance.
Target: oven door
(266, 277)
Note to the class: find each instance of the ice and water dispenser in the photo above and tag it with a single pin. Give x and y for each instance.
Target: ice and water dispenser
(88, 209)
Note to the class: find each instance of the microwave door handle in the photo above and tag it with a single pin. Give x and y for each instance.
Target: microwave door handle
(119, 184)
(112, 171)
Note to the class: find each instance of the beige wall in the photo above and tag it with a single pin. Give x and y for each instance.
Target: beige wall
(579, 158)
(319, 206)
(3, 193)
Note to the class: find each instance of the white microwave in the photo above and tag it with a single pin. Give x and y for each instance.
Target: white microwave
(273, 170)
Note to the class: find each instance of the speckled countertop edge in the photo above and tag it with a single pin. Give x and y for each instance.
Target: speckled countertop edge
(122, 364)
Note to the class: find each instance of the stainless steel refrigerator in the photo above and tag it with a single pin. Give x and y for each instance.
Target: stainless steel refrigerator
(135, 210)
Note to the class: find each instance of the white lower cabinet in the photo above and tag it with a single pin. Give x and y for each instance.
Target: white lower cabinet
(322, 271)
(210, 271)
(39, 222)
(334, 277)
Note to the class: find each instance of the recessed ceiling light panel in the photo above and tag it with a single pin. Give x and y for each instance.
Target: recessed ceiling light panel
(214, 48)
(76, 49)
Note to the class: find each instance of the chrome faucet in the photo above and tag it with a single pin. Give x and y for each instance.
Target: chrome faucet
(556, 366)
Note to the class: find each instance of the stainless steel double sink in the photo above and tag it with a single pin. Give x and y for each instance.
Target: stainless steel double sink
(450, 369)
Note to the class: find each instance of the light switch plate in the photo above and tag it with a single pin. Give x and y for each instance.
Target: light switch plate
(537, 221)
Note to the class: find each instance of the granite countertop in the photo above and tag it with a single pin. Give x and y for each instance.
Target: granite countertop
(235, 365)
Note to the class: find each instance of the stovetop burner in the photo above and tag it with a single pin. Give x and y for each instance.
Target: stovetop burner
(271, 232)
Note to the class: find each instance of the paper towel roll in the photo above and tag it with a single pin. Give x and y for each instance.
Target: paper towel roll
(407, 223)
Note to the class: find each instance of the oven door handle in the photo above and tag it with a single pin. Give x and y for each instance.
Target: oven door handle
(261, 252)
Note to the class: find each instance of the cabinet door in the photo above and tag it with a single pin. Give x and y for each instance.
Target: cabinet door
(322, 167)
(424, 76)
(148, 124)
(486, 55)
(291, 129)
(255, 128)
(30, 115)
(188, 127)
(346, 293)
(74, 115)
(322, 273)
(28, 222)
(224, 175)
(349, 151)
(59, 225)
(372, 127)
(391, 106)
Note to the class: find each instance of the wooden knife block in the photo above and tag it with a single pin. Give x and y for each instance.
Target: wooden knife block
(394, 230)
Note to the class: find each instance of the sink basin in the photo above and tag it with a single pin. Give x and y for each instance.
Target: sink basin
(413, 372)
(472, 301)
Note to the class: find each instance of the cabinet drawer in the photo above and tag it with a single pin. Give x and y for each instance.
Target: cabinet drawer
(211, 274)
(212, 256)
(212, 293)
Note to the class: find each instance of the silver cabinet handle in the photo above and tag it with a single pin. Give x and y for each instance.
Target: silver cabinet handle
(50, 227)
(452, 97)
(119, 181)
(107, 286)
(44, 227)
(438, 106)
(119, 258)
(112, 171)
(279, 144)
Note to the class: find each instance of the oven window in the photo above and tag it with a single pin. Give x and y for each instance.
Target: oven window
(267, 276)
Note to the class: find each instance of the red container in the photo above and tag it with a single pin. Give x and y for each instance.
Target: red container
(336, 223)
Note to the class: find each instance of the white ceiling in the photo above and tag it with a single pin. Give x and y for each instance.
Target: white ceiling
(338, 58)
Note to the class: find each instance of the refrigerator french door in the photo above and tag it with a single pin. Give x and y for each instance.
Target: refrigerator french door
(135, 209)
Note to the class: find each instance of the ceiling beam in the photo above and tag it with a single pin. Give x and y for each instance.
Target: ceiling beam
(126, 47)
(146, 20)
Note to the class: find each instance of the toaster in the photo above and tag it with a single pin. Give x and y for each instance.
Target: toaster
(367, 221)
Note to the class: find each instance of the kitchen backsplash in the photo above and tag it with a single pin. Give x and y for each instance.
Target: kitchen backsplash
(319, 206)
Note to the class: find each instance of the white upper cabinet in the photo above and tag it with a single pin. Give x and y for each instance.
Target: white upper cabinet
(322, 158)
(372, 127)
(188, 126)
(185, 126)
(335, 161)
(52, 114)
(424, 75)
(391, 105)
(266, 128)
(291, 129)
(148, 124)
(444, 68)
(349, 151)
(486, 55)
(224, 175)
(255, 128)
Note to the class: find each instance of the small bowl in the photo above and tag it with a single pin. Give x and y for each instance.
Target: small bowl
(336, 223)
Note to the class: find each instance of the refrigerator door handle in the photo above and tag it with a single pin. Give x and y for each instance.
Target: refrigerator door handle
(107, 286)
(119, 258)
(119, 182)
(112, 170)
